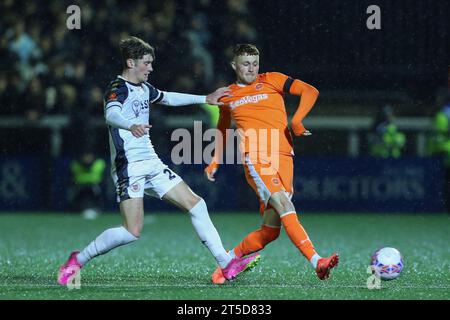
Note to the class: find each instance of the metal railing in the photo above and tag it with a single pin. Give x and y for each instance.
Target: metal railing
(354, 125)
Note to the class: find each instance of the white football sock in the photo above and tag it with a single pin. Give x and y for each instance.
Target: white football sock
(208, 234)
(106, 241)
(314, 259)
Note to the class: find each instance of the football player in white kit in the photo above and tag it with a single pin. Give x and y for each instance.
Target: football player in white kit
(137, 169)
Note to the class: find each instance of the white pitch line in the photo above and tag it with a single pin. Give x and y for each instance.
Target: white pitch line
(214, 286)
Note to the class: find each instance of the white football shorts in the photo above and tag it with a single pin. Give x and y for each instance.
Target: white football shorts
(151, 177)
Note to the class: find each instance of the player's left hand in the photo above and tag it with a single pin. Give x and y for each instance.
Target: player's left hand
(213, 98)
(300, 130)
(211, 170)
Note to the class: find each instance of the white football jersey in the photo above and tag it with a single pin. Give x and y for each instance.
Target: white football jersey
(135, 101)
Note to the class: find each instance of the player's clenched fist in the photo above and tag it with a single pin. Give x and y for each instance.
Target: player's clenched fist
(139, 130)
(299, 129)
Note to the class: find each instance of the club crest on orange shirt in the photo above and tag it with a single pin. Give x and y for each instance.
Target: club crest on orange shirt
(259, 86)
(275, 181)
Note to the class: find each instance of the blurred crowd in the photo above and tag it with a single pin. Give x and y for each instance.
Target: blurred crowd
(48, 69)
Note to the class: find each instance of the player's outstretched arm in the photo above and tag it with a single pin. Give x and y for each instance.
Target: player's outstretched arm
(308, 98)
(183, 99)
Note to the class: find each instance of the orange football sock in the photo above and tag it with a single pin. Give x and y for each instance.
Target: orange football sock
(256, 240)
(298, 235)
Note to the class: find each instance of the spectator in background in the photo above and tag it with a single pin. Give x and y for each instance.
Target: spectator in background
(67, 99)
(94, 102)
(23, 45)
(9, 94)
(87, 175)
(11, 99)
(87, 169)
(198, 37)
(385, 140)
(439, 146)
(240, 24)
(34, 100)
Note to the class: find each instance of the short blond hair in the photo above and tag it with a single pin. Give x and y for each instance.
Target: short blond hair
(245, 49)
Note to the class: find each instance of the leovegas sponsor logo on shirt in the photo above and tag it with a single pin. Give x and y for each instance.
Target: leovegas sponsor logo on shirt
(249, 99)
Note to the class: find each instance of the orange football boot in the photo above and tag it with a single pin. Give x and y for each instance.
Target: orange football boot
(324, 265)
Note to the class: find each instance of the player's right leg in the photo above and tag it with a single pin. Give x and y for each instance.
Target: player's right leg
(270, 229)
(258, 239)
(184, 198)
(132, 209)
(298, 236)
(254, 241)
(264, 182)
(274, 189)
(133, 220)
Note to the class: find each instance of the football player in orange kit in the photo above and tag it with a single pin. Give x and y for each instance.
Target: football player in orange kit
(256, 105)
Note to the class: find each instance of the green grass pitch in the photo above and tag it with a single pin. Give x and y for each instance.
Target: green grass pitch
(169, 262)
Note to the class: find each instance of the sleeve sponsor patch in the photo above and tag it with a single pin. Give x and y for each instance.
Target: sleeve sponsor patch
(112, 96)
(117, 92)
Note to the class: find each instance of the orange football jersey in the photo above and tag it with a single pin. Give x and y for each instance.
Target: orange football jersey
(260, 113)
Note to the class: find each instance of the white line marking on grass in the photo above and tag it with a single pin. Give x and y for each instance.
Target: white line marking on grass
(193, 286)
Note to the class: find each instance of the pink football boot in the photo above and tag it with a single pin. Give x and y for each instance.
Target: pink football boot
(69, 269)
(237, 265)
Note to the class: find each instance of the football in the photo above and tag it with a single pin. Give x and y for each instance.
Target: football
(387, 263)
